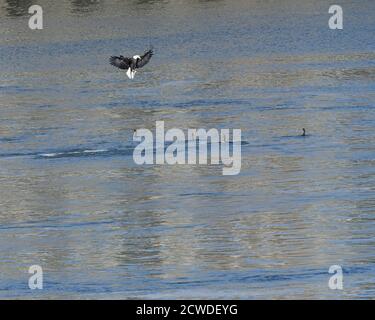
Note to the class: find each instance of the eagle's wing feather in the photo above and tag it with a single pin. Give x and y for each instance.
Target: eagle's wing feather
(145, 59)
(120, 62)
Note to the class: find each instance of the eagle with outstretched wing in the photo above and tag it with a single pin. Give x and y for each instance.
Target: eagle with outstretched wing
(131, 64)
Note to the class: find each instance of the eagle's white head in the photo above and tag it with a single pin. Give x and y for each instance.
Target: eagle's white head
(136, 57)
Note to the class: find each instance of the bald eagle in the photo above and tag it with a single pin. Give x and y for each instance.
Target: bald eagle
(131, 64)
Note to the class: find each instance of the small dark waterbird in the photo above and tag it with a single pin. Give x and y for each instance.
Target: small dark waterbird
(304, 132)
(131, 64)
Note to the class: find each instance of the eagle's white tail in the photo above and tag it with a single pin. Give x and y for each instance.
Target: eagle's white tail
(129, 73)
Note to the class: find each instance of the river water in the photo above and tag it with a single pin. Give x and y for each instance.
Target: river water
(73, 201)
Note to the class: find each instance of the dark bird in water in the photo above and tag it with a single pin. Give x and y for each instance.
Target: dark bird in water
(131, 64)
(304, 132)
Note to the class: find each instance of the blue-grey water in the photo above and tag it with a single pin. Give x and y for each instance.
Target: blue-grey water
(73, 201)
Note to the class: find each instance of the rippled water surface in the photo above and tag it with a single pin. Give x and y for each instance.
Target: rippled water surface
(73, 201)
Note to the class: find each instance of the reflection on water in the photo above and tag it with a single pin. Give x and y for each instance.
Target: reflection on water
(73, 201)
(17, 8)
(84, 6)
